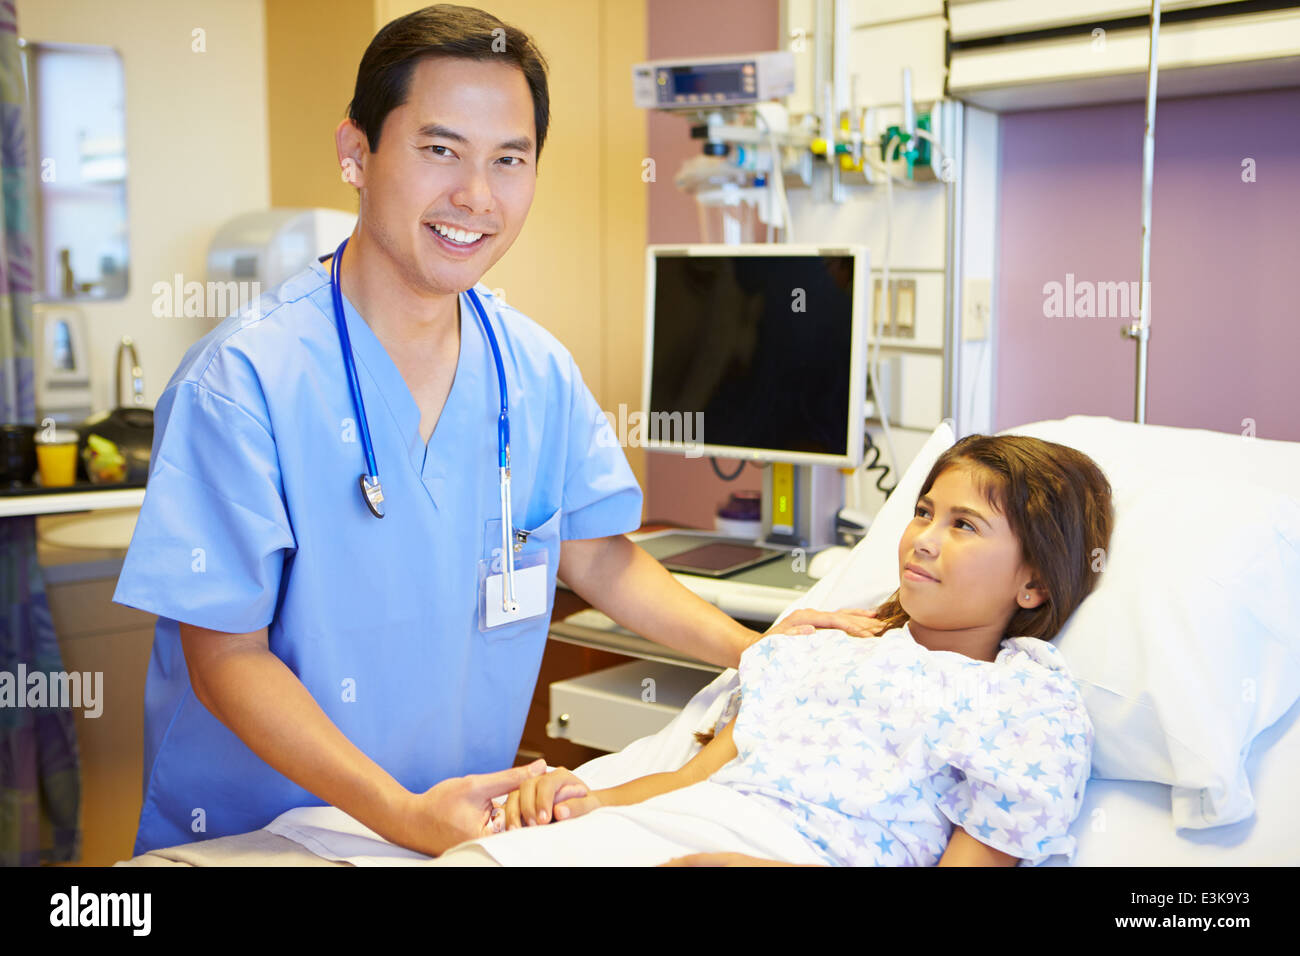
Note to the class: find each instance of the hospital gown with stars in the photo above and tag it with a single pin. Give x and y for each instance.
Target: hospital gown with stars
(864, 752)
(873, 749)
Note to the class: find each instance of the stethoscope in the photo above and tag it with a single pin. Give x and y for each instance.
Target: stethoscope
(371, 491)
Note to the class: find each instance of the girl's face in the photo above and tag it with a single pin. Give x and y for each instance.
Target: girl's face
(977, 575)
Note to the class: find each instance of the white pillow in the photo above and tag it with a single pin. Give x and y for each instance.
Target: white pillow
(1190, 645)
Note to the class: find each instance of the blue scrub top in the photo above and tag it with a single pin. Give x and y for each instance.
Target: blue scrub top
(253, 517)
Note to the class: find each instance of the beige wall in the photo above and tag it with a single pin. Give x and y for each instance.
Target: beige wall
(196, 145)
(577, 265)
(313, 49)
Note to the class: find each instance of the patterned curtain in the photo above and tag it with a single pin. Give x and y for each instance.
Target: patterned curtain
(40, 781)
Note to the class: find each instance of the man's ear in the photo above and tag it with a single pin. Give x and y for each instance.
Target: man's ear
(353, 152)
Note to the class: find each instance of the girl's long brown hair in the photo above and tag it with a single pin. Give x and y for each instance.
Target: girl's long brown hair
(1058, 504)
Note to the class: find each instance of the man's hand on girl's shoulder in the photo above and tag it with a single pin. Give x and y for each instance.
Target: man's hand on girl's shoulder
(856, 622)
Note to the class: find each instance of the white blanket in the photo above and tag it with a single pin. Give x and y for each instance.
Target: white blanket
(675, 824)
(703, 818)
(332, 834)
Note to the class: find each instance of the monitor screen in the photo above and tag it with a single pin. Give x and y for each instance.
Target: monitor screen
(719, 79)
(759, 349)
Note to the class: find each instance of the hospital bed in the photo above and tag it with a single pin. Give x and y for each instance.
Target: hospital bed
(1187, 655)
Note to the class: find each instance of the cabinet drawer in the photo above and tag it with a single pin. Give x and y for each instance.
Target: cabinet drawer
(611, 708)
(86, 607)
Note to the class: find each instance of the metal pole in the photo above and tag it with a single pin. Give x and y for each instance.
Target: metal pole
(952, 129)
(1141, 330)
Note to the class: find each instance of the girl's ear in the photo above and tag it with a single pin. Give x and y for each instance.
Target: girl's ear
(1029, 596)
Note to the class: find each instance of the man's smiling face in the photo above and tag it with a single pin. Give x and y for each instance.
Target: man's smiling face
(460, 153)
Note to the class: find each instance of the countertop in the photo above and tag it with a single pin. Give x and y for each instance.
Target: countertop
(84, 496)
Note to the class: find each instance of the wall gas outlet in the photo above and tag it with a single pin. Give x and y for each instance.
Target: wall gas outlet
(977, 309)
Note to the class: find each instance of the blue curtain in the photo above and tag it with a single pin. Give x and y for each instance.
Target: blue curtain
(40, 782)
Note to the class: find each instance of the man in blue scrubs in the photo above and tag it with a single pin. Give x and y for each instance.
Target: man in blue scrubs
(306, 651)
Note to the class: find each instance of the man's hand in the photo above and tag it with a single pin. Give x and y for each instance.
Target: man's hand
(856, 622)
(558, 795)
(457, 809)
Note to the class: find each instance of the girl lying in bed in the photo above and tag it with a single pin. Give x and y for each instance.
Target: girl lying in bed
(955, 736)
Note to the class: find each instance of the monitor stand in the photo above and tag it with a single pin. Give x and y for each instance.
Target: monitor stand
(800, 503)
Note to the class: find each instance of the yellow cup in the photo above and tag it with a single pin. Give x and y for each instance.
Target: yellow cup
(56, 459)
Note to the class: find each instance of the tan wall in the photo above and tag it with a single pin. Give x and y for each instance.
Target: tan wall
(312, 52)
(577, 265)
(625, 201)
(196, 143)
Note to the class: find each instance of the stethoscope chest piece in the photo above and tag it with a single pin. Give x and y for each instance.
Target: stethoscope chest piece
(373, 493)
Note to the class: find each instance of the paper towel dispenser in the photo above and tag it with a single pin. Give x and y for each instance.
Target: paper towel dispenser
(268, 247)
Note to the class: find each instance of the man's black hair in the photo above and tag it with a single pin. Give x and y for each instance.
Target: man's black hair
(384, 76)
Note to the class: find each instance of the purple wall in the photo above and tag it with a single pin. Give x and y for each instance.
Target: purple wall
(680, 489)
(1225, 257)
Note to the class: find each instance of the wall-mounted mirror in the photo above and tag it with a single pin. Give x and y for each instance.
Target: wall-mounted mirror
(77, 99)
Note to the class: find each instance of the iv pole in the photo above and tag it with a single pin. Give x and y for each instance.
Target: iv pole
(1141, 330)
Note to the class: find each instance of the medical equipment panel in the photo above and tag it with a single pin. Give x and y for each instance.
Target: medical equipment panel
(713, 81)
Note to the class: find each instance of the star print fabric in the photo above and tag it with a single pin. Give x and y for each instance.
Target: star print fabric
(874, 748)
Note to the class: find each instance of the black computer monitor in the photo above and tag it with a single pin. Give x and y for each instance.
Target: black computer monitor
(757, 352)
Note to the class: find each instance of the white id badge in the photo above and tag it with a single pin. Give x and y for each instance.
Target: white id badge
(530, 591)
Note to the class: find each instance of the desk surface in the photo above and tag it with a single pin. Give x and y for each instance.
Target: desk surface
(80, 497)
(616, 640)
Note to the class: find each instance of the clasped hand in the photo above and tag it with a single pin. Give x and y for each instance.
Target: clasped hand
(556, 795)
